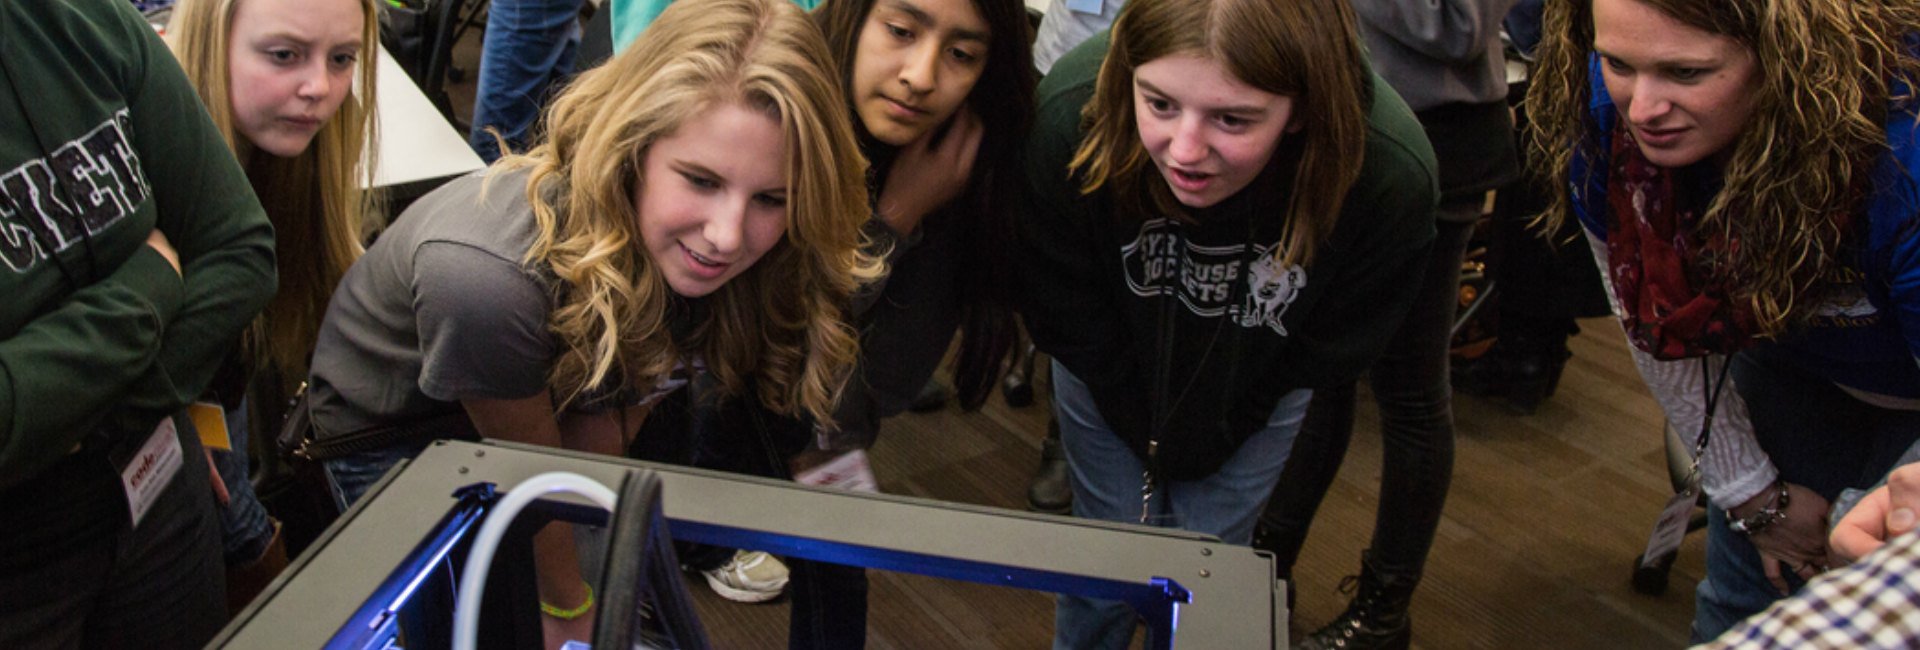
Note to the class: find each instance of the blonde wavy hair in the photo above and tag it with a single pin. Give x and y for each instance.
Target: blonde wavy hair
(778, 323)
(1306, 49)
(1827, 85)
(319, 212)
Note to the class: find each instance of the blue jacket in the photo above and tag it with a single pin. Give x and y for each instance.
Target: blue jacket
(1867, 335)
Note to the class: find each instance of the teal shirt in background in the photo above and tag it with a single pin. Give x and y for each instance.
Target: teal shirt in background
(630, 17)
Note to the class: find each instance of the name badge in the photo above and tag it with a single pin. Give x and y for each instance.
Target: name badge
(151, 469)
(1670, 529)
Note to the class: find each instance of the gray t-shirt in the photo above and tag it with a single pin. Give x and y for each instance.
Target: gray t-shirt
(440, 309)
(1067, 23)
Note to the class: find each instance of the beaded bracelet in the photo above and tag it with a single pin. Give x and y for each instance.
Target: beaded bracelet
(569, 614)
(1767, 516)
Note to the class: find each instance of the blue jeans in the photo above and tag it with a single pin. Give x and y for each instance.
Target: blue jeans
(529, 45)
(1818, 437)
(1105, 475)
(349, 476)
(245, 527)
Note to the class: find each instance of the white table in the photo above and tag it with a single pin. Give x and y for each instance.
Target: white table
(416, 143)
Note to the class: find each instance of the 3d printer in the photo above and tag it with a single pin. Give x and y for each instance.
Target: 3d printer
(394, 561)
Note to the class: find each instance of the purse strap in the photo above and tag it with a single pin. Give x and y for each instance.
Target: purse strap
(298, 442)
(452, 425)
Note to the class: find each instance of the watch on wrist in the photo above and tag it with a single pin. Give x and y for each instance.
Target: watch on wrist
(1765, 516)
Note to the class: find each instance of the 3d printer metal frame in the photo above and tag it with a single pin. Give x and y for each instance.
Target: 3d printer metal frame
(1218, 595)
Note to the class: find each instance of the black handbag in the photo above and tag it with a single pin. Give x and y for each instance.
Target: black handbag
(299, 496)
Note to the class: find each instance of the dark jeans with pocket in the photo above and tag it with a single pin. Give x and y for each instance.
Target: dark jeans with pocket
(247, 529)
(76, 573)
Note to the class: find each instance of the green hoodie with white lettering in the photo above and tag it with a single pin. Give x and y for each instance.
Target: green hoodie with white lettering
(103, 142)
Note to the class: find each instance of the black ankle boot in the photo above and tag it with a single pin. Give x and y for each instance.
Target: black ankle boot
(1050, 491)
(1521, 374)
(1532, 377)
(1376, 618)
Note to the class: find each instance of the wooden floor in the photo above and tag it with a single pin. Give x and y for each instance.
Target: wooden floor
(1546, 515)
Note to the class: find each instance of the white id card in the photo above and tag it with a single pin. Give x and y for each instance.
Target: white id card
(1089, 7)
(151, 469)
(1670, 529)
(848, 471)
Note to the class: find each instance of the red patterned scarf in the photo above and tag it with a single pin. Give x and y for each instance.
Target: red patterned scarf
(1669, 279)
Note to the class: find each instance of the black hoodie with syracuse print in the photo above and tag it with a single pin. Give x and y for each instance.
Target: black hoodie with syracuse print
(1188, 331)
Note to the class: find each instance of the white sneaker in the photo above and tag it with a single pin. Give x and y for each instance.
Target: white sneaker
(748, 577)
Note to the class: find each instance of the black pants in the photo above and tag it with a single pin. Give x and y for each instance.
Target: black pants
(904, 335)
(75, 573)
(1416, 425)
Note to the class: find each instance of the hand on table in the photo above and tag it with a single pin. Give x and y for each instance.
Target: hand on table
(1883, 514)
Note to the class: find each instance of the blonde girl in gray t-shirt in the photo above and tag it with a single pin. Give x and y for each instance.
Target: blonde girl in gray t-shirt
(697, 201)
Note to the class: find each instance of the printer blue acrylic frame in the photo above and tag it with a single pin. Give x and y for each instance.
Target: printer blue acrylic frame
(1195, 591)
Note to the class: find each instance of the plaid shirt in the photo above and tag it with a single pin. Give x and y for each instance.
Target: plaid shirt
(1875, 603)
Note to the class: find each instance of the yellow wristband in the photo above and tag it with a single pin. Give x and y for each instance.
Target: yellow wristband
(569, 614)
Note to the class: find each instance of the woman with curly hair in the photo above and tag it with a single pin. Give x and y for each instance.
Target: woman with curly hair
(290, 84)
(1746, 171)
(696, 205)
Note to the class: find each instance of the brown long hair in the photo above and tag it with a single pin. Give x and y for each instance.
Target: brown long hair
(1306, 49)
(1003, 99)
(779, 322)
(1827, 71)
(320, 215)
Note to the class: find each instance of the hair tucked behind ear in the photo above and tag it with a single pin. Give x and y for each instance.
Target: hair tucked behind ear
(320, 215)
(1828, 71)
(1306, 49)
(778, 322)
